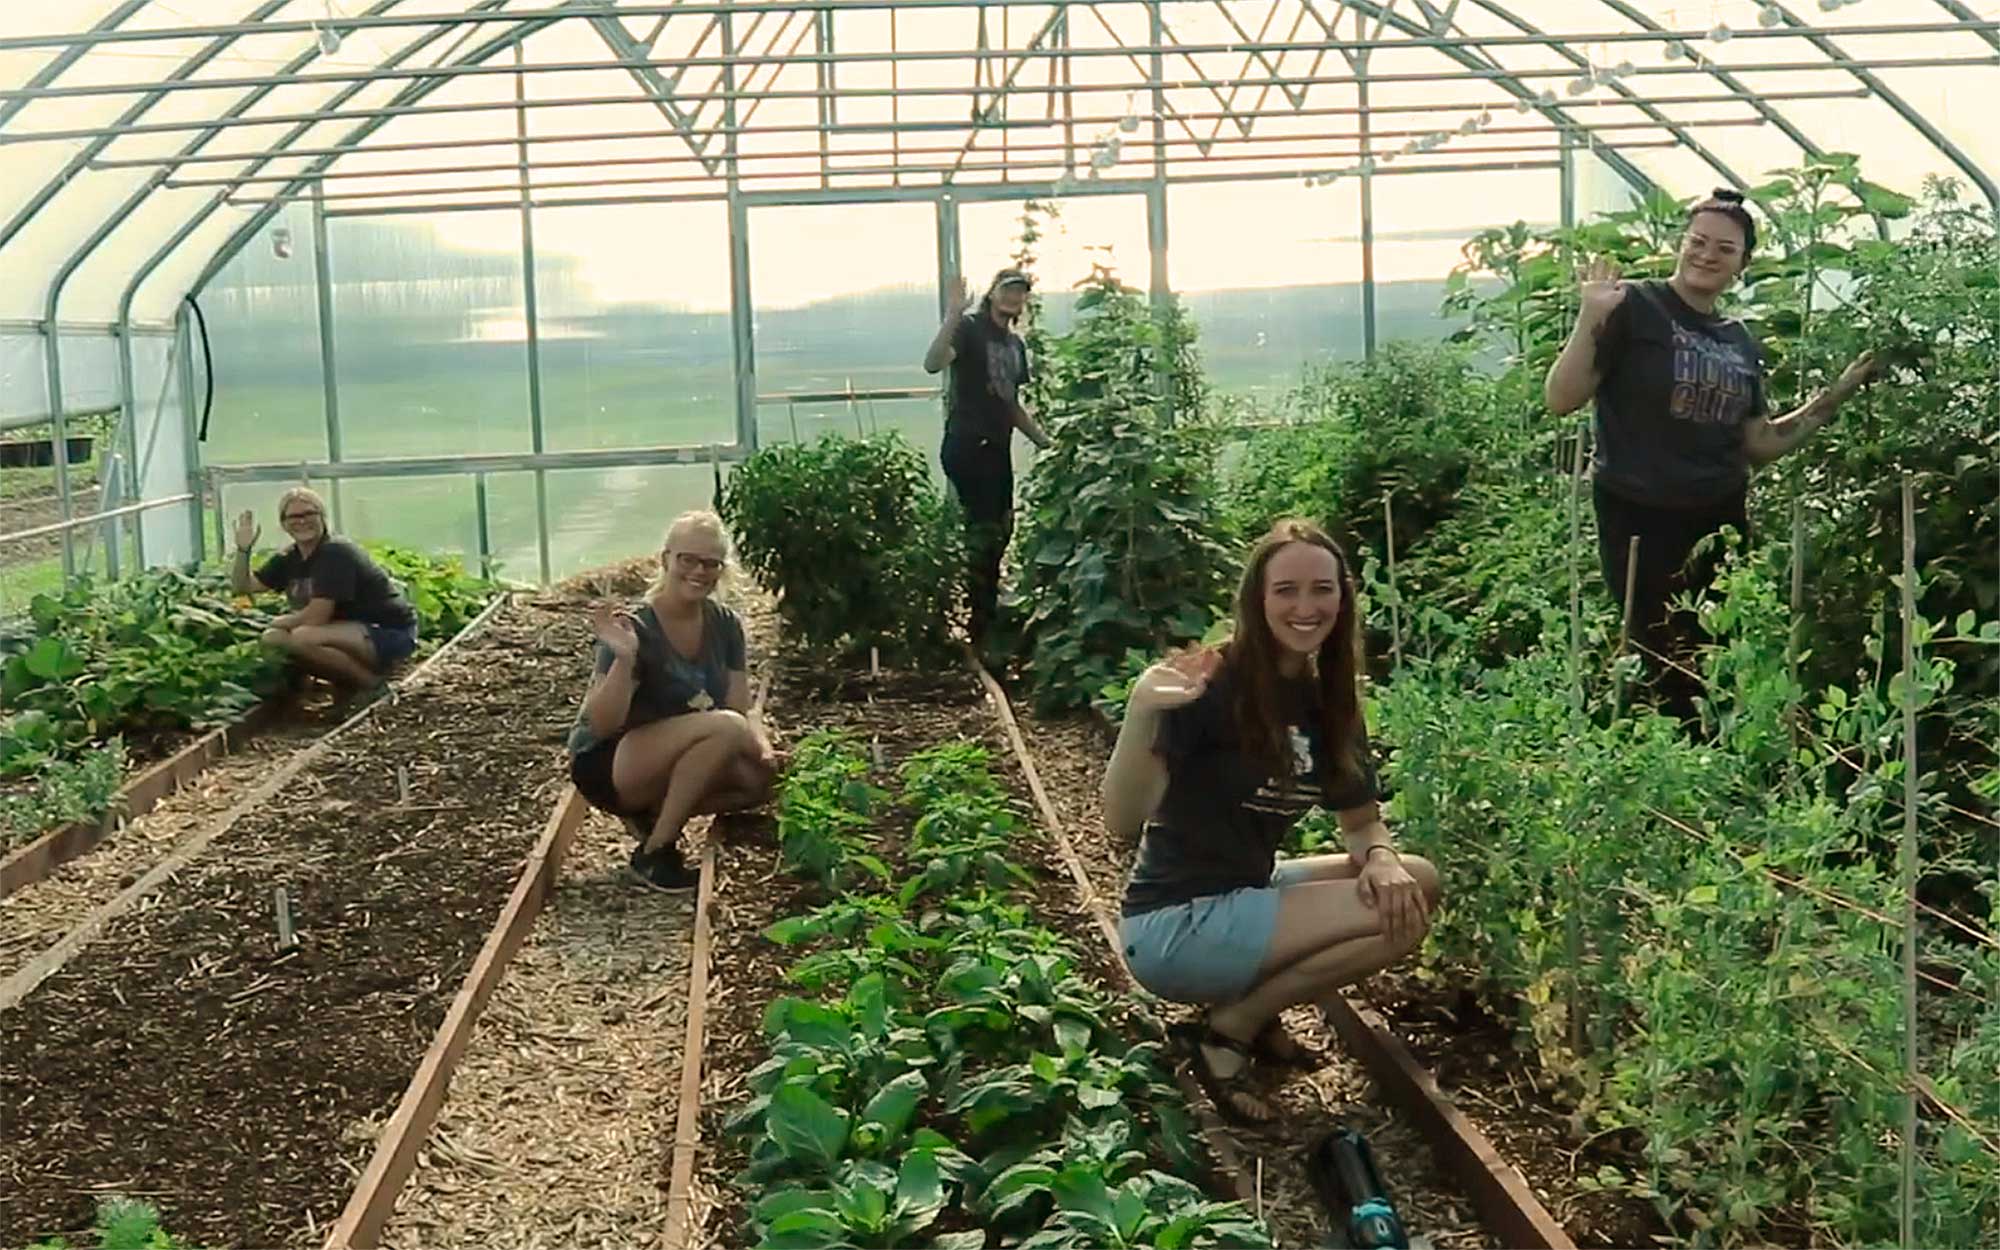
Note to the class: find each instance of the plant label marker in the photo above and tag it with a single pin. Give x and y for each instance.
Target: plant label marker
(881, 760)
(874, 664)
(402, 784)
(287, 936)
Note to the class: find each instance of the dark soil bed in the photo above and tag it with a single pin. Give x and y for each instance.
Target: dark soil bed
(182, 1059)
(905, 713)
(1455, 1034)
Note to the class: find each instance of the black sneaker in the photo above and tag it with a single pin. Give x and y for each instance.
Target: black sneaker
(664, 870)
(641, 827)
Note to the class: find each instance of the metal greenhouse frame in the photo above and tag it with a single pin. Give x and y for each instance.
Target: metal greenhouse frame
(1301, 97)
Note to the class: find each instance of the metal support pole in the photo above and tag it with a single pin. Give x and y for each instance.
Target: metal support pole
(536, 436)
(59, 435)
(128, 399)
(485, 530)
(1366, 123)
(1156, 205)
(1566, 158)
(323, 303)
(742, 330)
(950, 267)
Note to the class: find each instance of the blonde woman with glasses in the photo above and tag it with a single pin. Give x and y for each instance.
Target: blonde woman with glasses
(666, 730)
(348, 624)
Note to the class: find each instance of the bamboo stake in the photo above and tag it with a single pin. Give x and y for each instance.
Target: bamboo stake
(1625, 628)
(1395, 596)
(1909, 865)
(1796, 716)
(1573, 922)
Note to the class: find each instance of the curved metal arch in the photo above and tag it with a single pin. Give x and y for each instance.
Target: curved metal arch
(1964, 14)
(276, 152)
(68, 57)
(1634, 177)
(1632, 97)
(1838, 59)
(81, 161)
(1775, 116)
(1736, 85)
(410, 94)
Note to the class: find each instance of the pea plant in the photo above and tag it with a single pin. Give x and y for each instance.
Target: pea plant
(954, 1078)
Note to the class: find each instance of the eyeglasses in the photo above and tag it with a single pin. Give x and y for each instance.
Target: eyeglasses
(290, 517)
(691, 562)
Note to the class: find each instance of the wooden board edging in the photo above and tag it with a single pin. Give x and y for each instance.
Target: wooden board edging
(374, 1196)
(1507, 1206)
(687, 1127)
(41, 857)
(687, 1119)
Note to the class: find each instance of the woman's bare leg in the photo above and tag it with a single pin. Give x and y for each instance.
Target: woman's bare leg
(339, 651)
(1325, 938)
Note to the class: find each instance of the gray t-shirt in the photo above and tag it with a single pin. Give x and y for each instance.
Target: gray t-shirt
(669, 682)
(1223, 817)
(1677, 387)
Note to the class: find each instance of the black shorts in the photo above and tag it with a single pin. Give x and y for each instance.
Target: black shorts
(590, 772)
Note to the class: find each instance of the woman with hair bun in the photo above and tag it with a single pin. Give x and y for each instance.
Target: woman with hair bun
(1681, 419)
(667, 730)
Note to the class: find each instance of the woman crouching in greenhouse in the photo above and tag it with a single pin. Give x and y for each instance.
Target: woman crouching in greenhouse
(1681, 418)
(1222, 751)
(348, 624)
(667, 731)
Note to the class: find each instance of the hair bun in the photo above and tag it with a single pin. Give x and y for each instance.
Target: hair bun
(1728, 195)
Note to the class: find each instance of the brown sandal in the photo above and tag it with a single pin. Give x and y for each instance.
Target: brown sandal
(1231, 1094)
(1275, 1044)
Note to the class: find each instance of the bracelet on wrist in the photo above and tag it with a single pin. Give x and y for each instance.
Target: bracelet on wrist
(1380, 846)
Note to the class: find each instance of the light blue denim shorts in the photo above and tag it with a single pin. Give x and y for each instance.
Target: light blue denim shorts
(1207, 950)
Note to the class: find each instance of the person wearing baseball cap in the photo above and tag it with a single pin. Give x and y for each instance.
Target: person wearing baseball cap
(989, 366)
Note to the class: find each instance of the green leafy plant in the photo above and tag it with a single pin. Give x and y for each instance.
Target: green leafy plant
(444, 596)
(65, 793)
(1152, 1209)
(946, 1017)
(124, 1224)
(823, 806)
(870, 1206)
(1117, 546)
(855, 540)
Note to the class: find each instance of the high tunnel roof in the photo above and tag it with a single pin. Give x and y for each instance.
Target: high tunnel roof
(143, 142)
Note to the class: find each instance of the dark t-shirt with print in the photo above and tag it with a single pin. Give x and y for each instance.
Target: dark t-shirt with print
(1677, 387)
(1223, 816)
(669, 682)
(341, 571)
(988, 369)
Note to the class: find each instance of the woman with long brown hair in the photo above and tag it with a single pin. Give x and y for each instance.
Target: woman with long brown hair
(1222, 751)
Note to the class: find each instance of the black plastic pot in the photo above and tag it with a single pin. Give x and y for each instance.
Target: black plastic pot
(40, 453)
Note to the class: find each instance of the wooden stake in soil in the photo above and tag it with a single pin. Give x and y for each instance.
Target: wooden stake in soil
(1911, 1072)
(282, 901)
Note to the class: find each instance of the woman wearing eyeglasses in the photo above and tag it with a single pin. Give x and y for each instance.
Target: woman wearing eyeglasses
(348, 623)
(666, 731)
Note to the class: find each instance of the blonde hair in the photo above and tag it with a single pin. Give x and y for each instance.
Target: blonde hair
(706, 521)
(305, 494)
